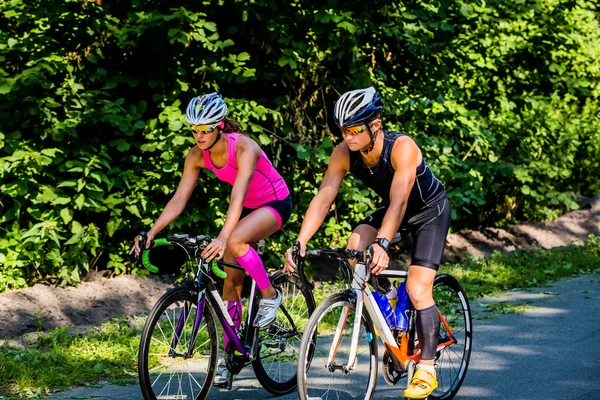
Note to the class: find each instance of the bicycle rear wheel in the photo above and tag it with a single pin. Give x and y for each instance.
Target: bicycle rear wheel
(325, 380)
(166, 367)
(451, 362)
(278, 345)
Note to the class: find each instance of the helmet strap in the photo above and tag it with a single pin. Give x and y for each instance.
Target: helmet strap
(371, 145)
(215, 142)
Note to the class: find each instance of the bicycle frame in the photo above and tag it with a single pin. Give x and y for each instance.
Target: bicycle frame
(364, 299)
(207, 290)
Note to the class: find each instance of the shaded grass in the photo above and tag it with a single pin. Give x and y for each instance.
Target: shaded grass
(61, 358)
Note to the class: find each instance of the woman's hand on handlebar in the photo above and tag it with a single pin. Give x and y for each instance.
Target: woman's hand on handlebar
(291, 256)
(215, 249)
(137, 249)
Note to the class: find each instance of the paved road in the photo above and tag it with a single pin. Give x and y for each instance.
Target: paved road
(550, 351)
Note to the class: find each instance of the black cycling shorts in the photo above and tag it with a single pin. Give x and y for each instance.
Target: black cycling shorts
(282, 209)
(429, 228)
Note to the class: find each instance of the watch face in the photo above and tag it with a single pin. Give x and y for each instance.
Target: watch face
(383, 242)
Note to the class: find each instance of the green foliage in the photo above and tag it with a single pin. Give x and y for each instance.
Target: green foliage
(502, 96)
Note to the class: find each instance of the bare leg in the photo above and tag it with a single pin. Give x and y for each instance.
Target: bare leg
(257, 225)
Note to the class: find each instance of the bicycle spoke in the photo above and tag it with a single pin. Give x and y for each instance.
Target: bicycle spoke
(170, 372)
(327, 377)
(452, 360)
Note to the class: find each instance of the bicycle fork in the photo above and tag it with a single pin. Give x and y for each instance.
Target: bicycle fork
(183, 317)
(351, 363)
(357, 287)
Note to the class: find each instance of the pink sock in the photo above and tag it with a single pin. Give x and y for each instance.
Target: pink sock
(235, 312)
(255, 268)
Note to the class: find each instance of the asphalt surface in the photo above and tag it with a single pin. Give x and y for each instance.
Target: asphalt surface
(549, 350)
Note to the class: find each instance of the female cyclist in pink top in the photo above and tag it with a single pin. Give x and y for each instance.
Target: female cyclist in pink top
(260, 203)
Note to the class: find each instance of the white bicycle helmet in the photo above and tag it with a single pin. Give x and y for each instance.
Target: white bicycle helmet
(357, 106)
(206, 110)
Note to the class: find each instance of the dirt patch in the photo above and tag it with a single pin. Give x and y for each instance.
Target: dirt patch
(94, 301)
(98, 299)
(571, 227)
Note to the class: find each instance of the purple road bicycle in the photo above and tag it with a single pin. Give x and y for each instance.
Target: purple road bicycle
(179, 347)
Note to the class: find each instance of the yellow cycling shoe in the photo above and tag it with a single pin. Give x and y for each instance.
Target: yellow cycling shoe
(421, 385)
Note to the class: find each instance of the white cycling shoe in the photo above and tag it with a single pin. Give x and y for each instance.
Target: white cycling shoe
(222, 375)
(267, 308)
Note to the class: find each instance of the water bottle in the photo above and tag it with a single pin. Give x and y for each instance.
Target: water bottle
(386, 308)
(402, 307)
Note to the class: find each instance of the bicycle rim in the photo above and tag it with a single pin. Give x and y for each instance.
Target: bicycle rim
(321, 379)
(278, 345)
(167, 369)
(452, 362)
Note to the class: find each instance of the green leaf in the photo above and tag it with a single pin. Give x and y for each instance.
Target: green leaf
(112, 227)
(348, 26)
(184, 85)
(175, 125)
(264, 139)
(466, 10)
(243, 56)
(76, 227)
(79, 201)
(211, 26)
(67, 184)
(62, 200)
(123, 146)
(11, 42)
(134, 210)
(66, 215)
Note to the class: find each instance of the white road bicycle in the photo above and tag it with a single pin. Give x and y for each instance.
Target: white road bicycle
(339, 355)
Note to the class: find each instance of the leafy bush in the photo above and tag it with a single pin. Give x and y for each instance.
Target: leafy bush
(502, 96)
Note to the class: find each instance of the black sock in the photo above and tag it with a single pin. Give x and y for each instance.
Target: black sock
(428, 329)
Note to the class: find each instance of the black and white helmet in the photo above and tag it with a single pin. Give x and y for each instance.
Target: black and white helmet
(206, 110)
(357, 106)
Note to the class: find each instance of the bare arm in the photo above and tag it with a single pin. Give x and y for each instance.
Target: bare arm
(194, 161)
(406, 157)
(339, 165)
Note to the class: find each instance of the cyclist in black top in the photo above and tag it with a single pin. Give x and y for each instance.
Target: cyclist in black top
(413, 201)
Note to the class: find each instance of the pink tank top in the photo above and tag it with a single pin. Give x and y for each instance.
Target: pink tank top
(266, 184)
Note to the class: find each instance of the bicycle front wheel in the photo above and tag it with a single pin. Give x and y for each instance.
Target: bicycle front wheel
(278, 344)
(178, 351)
(451, 362)
(327, 337)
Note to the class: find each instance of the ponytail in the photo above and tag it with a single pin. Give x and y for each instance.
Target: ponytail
(231, 126)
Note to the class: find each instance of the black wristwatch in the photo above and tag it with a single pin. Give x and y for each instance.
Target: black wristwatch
(383, 243)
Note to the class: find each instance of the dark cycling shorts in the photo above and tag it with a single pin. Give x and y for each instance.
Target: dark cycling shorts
(282, 209)
(429, 228)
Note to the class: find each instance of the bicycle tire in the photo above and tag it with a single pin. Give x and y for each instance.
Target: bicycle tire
(154, 342)
(314, 350)
(452, 362)
(276, 372)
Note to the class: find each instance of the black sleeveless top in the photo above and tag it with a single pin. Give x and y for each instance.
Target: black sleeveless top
(426, 191)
